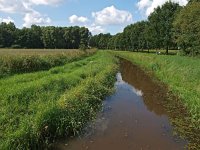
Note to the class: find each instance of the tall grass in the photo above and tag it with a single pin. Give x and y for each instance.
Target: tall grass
(39, 107)
(181, 74)
(30, 61)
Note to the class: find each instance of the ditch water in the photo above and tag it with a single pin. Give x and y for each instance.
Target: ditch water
(132, 118)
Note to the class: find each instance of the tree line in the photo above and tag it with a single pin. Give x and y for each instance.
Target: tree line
(167, 27)
(43, 37)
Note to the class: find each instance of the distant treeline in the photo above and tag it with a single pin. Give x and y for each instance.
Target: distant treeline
(43, 37)
(168, 27)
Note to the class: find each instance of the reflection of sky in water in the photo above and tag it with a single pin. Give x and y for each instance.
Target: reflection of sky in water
(120, 82)
(138, 92)
(119, 79)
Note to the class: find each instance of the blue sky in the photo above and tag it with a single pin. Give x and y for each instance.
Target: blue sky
(98, 15)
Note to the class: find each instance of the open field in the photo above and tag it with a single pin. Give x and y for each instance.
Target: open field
(29, 60)
(31, 52)
(40, 106)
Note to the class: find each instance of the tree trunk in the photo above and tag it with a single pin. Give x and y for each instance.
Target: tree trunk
(167, 50)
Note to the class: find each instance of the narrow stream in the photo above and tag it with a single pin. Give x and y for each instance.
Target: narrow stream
(132, 118)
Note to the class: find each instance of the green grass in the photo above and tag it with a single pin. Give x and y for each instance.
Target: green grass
(23, 61)
(181, 74)
(38, 107)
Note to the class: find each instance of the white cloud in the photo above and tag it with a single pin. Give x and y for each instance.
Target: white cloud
(25, 7)
(45, 2)
(75, 19)
(95, 29)
(80, 20)
(6, 20)
(144, 4)
(12, 6)
(35, 18)
(149, 5)
(112, 16)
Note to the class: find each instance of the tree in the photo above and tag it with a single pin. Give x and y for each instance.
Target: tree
(148, 37)
(7, 34)
(134, 36)
(187, 25)
(100, 41)
(59, 38)
(161, 22)
(84, 35)
(43, 37)
(24, 38)
(48, 37)
(36, 37)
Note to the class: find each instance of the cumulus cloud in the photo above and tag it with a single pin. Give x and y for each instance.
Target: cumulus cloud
(6, 20)
(12, 6)
(25, 7)
(149, 5)
(76, 20)
(35, 18)
(95, 29)
(112, 16)
(102, 19)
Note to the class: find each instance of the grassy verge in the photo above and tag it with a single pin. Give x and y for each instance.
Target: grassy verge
(39, 107)
(36, 60)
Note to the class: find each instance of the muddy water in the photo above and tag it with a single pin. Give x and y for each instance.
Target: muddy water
(132, 118)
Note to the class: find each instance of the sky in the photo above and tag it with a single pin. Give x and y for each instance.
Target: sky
(99, 16)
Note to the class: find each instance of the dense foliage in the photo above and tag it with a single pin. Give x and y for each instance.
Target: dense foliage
(167, 27)
(43, 37)
(187, 27)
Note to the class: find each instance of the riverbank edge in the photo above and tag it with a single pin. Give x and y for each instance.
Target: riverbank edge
(72, 111)
(179, 114)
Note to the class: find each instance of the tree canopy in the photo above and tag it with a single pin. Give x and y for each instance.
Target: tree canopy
(43, 37)
(187, 25)
(167, 27)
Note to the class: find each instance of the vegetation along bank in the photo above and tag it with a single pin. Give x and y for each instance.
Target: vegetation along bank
(38, 107)
(181, 75)
(24, 61)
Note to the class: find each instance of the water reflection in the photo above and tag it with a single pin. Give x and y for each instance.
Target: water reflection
(153, 94)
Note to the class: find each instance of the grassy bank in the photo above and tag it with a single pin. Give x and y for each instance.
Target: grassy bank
(39, 107)
(181, 74)
(182, 77)
(23, 61)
